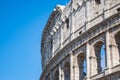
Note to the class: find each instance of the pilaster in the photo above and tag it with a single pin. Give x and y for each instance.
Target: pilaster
(88, 61)
(108, 51)
(71, 67)
(60, 72)
(76, 69)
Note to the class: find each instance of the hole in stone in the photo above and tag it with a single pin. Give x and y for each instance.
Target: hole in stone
(118, 9)
(97, 1)
(80, 32)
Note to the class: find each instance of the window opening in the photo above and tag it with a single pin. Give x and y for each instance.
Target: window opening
(67, 23)
(98, 1)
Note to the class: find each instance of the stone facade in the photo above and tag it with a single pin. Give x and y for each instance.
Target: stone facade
(73, 39)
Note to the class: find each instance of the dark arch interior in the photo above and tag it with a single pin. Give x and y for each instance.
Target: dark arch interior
(67, 71)
(56, 75)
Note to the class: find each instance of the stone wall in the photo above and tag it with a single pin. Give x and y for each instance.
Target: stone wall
(74, 36)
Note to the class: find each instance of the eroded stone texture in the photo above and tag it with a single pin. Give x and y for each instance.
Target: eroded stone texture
(73, 38)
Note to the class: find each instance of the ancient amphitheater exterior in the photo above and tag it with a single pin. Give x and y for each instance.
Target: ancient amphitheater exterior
(73, 38)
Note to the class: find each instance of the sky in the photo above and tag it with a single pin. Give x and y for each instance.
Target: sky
(21, 26)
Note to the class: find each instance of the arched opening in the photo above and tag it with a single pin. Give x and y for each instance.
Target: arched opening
(100, 56)
(67, 71)
(56, 75)
(82, 66)
(117, 51)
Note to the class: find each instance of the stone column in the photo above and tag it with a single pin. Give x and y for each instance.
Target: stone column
(61, 35)
(93, 65)
(88, 61)
(71, 67)
(108, 51)
(88, 15)
(72, 21)
(107, 7)
(72, 26)
(76, 69)
(114, 52)
(92, 59)
(60, 72)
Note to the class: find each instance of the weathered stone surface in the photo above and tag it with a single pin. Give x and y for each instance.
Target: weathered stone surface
(73, 38)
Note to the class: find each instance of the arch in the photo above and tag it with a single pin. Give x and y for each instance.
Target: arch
(67, 71)
(98, 58)
(100, 55)
(117, 39)
(81, 58)
(116, 54)
(56, 75)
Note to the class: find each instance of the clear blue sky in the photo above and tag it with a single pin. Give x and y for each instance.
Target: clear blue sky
(21, 25)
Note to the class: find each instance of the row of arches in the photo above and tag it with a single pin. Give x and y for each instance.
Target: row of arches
(81, 61)
(66, 72)
(98, 60)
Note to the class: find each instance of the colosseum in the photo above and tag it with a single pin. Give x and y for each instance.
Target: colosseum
(81, 41)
